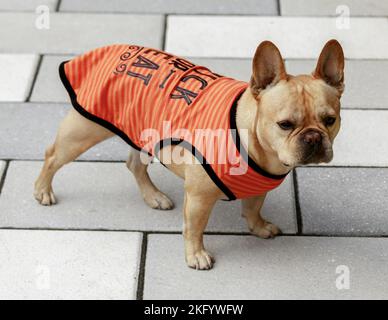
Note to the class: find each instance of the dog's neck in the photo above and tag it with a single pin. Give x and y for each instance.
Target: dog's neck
(246, 118)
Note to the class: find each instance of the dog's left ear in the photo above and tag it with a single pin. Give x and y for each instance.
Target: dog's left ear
(267, 67)
(330, 66)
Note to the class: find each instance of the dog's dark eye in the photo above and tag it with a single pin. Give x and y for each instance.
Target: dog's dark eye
(286, 125)
(329, 121)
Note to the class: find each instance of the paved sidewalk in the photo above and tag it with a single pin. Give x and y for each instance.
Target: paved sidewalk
(102, 242)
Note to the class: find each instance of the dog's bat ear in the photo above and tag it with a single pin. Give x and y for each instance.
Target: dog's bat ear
(330, 66)
(267, 67)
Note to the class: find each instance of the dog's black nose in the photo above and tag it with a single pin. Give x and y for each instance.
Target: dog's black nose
(312, 137)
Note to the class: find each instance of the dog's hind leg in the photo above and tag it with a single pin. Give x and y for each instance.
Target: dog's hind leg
(76, 135)
(152, 196)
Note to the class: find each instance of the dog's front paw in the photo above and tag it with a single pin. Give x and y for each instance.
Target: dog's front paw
(266, 230)
(201, 260)
(45, 197)
(158, 200)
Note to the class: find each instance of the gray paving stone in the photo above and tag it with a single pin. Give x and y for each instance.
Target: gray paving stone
(355, 145)
(361, 141)
(48, 87)
(344, 201)
(297, 38)
(328, 7)
(30, 128)
(69, 265)
(17, 74)
(104, 196)
(283, 268)
(257, 7)
(26, 5)
(365, 81)
(78, 32)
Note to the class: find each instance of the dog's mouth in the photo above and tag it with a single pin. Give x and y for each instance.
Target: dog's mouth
(322, 155)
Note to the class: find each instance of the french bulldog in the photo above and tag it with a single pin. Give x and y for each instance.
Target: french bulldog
(287, 120)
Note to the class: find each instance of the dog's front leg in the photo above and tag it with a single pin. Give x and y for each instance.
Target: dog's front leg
(251, 208)
(197, 209)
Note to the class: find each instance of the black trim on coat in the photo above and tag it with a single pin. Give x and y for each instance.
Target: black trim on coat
(90, 116)
(241, 149)
(202, 160)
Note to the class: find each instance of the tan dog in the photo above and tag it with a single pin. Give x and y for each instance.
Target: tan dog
(291, 120)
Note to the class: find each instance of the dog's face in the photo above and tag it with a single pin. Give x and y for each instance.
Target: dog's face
(298, 116)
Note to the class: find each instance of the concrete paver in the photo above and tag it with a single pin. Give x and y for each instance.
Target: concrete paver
(297, 38)
(31, 128)
(355, 145)
(40, 264)
(361, 140)
(105, 196)
(261, 7)
(78, 32)
(283, 268)
(16, 77)
(344, 201)
(329, 7)
(27, 5)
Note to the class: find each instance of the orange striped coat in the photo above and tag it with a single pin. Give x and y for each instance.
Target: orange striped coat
(151, 98)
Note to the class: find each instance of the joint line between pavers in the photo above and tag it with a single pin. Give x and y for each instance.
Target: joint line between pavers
(164, 33)
(298, 212)
(279, 8)
(58, 6)
(141, 275)
(35, 77)
(208, 233)
(2, 178)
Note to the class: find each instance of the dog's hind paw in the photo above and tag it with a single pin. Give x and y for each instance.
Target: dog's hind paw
(158, 200)
(45, 198)
(266, 231)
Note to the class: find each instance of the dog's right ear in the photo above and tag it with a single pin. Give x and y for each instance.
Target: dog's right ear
(267, 67)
